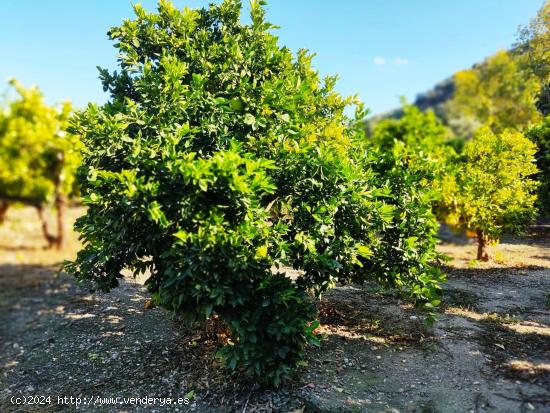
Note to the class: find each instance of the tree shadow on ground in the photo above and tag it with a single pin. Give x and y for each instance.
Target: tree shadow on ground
(372, 313)
(537, 234)
(517, 355)
(108, 343)
(507, 305)
(111, 345)
(486, 273)
(19, 277)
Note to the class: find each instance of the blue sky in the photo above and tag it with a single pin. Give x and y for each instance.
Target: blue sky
(380, 49)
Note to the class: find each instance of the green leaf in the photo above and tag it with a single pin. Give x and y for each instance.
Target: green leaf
(157, 215)
(363, 251)
(261, 252)
(236, 104)
(249, 119)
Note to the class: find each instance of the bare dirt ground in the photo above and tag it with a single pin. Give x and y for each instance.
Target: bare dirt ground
(488, 352)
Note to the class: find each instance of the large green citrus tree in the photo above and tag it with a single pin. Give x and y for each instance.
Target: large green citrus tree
(38, 157)
(220, 159)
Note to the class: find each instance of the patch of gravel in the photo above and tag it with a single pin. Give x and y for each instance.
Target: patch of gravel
(58, 340)
(376, 356)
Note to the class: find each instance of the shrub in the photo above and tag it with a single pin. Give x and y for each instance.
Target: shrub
(404, 256)
(493, 191)
(413, 159)
(419, 131)
(39, 159)
(219, 159)
(420, 139)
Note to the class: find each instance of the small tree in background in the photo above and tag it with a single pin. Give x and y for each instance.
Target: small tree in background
(424, 146)
(38, 157)
(412, 157)
(423, 137)
(493, 191)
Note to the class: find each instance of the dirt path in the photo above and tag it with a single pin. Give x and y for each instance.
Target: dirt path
(489, 351)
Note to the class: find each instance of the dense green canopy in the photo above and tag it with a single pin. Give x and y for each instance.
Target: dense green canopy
(36, 152)
(220, 158)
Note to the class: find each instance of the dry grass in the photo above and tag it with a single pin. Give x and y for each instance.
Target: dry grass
(504, 255)
(21, 240)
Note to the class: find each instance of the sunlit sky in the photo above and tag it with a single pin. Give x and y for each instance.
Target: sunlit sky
(381, 49)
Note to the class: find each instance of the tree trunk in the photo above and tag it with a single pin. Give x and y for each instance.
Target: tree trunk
(60, 204)
(3, 210)
(482, 254)
(50, 239)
